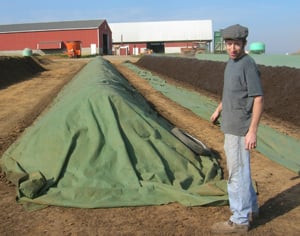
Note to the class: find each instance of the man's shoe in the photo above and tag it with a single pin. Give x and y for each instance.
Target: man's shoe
(228, 227)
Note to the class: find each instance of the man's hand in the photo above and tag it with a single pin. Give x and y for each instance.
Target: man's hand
(250, 140)
(215, 116)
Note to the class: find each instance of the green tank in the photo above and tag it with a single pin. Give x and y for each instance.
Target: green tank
(27, 52)
(257, 48)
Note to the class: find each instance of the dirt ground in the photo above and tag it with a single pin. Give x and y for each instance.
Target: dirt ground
(24, 98)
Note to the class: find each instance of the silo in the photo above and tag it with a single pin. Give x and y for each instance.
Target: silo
(219, 45)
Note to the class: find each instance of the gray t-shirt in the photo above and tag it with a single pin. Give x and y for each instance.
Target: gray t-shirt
(241, 84)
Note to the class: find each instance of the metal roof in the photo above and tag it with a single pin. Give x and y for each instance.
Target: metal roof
(51, 26)
(162, 31)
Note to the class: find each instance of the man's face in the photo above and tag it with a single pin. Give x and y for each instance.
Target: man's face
(235, 48)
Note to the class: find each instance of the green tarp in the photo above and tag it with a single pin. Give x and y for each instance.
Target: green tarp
(101, 145)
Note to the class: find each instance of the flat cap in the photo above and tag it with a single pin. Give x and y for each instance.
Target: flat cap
(235, 32)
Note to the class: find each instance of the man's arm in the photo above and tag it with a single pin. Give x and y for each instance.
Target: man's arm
(258, 107)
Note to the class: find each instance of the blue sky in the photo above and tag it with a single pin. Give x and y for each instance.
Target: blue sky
(274, 22)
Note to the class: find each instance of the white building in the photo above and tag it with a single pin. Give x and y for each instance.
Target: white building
(161, 36)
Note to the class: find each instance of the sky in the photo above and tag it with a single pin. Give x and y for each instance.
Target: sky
(273, 22)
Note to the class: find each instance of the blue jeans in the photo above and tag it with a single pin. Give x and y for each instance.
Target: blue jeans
(242, 197)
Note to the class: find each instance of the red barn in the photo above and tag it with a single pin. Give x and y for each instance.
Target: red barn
(88, 36)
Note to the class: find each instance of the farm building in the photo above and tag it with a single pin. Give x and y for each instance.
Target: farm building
(161, 37)
(74, 37)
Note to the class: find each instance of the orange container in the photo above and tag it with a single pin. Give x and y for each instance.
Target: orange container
(73, 48)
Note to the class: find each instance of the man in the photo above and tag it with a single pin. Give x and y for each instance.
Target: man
(241, 108)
